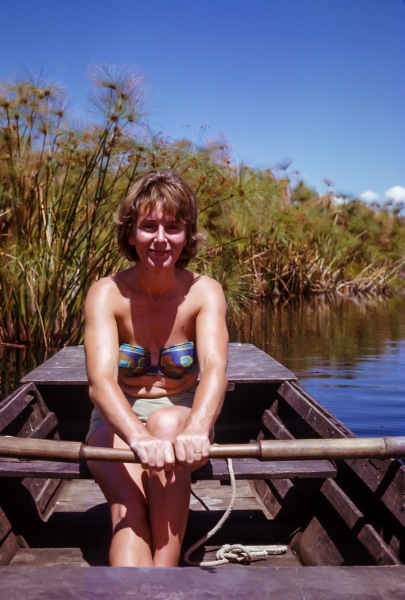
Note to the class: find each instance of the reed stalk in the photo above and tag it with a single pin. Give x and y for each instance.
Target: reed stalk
(60, 186)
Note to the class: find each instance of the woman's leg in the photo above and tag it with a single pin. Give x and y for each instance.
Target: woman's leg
(124, 487)
(169, 492)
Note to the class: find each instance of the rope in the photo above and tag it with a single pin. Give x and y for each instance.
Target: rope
(236, 553)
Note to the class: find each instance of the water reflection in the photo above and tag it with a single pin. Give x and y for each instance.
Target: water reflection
(334, 329)
(16, 362)
(349, 355)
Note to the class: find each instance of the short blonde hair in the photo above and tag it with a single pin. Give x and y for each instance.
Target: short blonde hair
(166, 190)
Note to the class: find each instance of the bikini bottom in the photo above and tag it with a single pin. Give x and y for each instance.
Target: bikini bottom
(144, 407)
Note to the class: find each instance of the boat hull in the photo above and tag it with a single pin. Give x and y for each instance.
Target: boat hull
(332, 514)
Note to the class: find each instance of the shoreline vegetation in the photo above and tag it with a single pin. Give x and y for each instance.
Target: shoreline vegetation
(269, 236)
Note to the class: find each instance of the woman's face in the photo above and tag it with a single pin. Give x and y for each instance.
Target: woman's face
(158, 238)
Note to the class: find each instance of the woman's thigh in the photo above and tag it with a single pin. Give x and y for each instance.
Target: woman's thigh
(120, 482)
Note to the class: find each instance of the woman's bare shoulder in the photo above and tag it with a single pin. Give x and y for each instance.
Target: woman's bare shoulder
(207, 288)
(206, 282)
(102, 290)
(104, 284)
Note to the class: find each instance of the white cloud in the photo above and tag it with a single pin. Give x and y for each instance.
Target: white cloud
(369, 196)
(340, 200)
(396, 194)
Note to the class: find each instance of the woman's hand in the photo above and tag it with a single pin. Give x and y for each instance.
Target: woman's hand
(191, 447)
(153, 453)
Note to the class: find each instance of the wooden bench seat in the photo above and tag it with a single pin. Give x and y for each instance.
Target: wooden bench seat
(216, 469)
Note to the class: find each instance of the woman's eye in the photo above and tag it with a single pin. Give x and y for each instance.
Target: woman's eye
(169, 227)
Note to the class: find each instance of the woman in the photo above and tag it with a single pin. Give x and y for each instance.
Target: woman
(149, 331)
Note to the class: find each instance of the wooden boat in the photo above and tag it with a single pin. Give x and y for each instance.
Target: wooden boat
(341, 520)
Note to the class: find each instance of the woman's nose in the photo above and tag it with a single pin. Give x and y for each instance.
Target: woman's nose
(160, 234)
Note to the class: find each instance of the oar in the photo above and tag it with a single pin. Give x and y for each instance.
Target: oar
(339, 448)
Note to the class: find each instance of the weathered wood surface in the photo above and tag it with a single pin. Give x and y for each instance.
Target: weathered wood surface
(246, 364)
(385, 479)
(216, 469)
(9, 542)
(359, 517)
(25, 414)
(366, 534)
(289, 583)
(353, 520)
(81, 523)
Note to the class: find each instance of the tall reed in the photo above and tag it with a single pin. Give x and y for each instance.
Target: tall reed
(60, 186)
(59, 189)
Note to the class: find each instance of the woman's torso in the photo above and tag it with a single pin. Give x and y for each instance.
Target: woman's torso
(154, 333)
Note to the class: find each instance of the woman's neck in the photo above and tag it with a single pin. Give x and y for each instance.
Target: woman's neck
(153, 283)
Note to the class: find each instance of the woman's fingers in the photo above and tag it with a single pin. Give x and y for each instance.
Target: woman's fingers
(191, 448)
(154, 453)
(161, 454)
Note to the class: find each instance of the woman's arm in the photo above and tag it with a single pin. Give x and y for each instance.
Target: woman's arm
(212, 348)
(101, 345)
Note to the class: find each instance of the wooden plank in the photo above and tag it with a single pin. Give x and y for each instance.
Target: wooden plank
(5, 526)
(49, 557)
(8, 549)
(386, 480)
(271, 501)
(213, 495)
(47, 426)
(217, 468)
(314, 414)
(252, 468)
(9, 542)
(316, 548)
(14, 405)
(291, 502)
(275, 427)
(354, 518)
(40, 469)
(254, 582)
(65, 367)
(80, 495)
(25, 414)
(45, 493)
(246, 364)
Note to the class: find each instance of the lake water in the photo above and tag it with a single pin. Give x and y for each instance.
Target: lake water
(350, 355)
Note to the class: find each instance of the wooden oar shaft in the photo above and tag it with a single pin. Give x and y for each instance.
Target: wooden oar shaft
(386, 447)
(340, 448)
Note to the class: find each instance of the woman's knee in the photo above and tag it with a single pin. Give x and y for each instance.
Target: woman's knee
(166, 423)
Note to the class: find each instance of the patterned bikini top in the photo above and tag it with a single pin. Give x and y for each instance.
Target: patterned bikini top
(174, 361)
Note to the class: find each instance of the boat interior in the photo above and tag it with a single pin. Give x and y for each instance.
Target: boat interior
(325, 513)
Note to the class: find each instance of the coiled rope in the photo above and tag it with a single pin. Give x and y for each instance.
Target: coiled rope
(235, 553)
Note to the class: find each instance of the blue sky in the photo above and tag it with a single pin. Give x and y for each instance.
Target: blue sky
(319, 82)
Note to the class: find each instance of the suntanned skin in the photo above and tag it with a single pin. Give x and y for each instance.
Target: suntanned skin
(154, 304)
